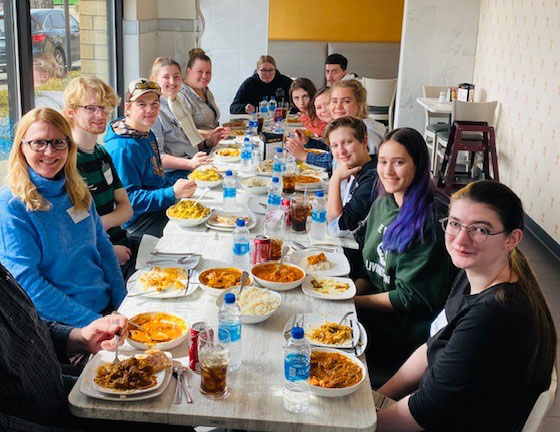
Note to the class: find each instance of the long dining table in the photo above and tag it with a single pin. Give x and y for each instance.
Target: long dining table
(256, 389)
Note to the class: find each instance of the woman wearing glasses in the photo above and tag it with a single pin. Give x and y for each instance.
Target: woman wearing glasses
(267, 81)
(53, 241)
(407, 274)
(494, 344)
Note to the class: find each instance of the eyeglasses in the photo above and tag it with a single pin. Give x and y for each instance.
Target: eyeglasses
(41, 144)
(93, 109)
(267, 71)
(145, 84)
(476, 233)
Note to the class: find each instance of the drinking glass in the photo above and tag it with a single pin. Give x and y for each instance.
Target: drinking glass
(213, 354)
(274, 229)
(300, 210)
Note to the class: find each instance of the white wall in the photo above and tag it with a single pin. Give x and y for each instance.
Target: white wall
(438, 47)
(235, 36)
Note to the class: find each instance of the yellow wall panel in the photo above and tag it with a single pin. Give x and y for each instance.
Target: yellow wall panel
(336, 20)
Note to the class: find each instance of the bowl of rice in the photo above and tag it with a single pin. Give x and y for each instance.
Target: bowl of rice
(206, 176)
(256, 304)
(188, 213)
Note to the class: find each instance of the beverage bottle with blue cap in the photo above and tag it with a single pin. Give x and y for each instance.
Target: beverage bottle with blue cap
(272, 105)
(247, 155)
(274, 194)
(241, 245)
(230, 191)
(279, 163)
(229, 318)
(297, 362)
(263, 108)
(319, 217)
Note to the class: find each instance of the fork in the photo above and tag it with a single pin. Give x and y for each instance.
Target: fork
(185, 380)
(116, 337)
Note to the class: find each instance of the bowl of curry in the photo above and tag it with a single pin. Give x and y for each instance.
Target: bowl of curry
(335, 373)
(215, 281)
(157, 330)
(279, 277)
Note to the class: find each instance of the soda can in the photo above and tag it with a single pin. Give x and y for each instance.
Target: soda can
(286, 206)
(261, 249)
(196, 328)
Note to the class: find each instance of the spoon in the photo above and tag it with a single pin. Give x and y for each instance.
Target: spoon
(181, 260)
(344, 317)
(177, 371)
(204, 192)
(244, 277)
(285, 250)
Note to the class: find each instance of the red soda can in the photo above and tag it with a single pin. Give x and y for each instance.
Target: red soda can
(261, 249)
(196, 328)
(286, 206)
(278, 115)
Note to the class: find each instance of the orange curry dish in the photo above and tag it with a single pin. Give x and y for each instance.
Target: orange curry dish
(333, 370)
(221, 277)
(316, 259)
(157, 328)
(278, 273)
(307, 179)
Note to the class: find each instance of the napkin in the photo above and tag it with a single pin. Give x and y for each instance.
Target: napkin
(147, 245)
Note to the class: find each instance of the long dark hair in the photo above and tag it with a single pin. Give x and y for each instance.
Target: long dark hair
(303, 83)
(418, 202)
(509, 209)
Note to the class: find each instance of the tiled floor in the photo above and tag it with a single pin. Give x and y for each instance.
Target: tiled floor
(547, 268)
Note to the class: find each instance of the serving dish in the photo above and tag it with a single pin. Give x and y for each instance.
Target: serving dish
(170, 323)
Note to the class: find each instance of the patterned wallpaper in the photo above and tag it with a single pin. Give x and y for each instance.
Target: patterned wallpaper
(518, 63)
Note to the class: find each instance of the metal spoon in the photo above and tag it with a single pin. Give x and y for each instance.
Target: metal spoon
(177, 371)
(344, 317)
(182, 260)
(204, 192)
(244, 277)
(285, 250)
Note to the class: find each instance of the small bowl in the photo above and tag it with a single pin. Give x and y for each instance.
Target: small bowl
(279, 286)
(205, 183)
(257, 190)
(188, 223)
(215, 292)
(162, 345)
(338, 392)
(251, 319)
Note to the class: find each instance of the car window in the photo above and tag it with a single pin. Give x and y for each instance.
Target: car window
(74, 23)
(58, 20)
(47, 25)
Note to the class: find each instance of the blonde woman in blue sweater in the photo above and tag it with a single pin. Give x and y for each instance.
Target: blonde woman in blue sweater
(51, 238)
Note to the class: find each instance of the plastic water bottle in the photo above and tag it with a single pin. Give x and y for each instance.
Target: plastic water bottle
(272, 105)
(319, 217)
(241, 245)
(263, 108)
(229, 317)
(274, 194)
(230, 191)
(279, 165)
(297, 360)
(254, 124)
(247, 155)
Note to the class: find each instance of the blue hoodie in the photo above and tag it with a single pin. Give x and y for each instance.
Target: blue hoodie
(137, 161)
(69, 269)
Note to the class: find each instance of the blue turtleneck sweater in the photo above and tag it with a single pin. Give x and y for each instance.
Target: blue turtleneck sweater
(68, 267)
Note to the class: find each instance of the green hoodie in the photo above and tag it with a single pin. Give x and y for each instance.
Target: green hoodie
(417, 280)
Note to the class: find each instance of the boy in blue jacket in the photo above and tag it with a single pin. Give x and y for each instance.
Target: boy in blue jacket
(134, 150)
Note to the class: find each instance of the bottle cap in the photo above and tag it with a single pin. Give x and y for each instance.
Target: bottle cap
(230, 297)
(228, 173)
(297, 333)
(319, 194)
(275, 180)
(278, 149)
(240, 222)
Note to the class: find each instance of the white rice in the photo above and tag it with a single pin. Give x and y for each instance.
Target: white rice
(256, 301)
(325, 265)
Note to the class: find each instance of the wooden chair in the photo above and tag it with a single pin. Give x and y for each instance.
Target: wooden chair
(381, 98)
(542, 405)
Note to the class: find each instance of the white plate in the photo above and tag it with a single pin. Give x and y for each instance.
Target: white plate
(339, 392)
(227, 159)
(310, 186)
(341, 265)
(189, 223)
(257, 190)
(220, 227)
(107, 357)
(307, 288)
(314, 320)
(133, 285)
(254, 204)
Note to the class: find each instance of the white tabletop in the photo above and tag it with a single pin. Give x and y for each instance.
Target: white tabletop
(434, 106)
(255, 399)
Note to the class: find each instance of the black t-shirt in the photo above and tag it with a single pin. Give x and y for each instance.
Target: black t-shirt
(478, 376)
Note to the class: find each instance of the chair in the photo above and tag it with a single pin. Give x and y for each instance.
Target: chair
(381, 98)
(542, 406)
(435, 123)
(463, 111)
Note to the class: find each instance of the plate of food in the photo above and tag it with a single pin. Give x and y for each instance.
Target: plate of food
(206, 176)
(256, 185)
(188, 213)
(228, 154)
(321, 263)
(293, 121)
(157, 330)
(308, 182)
(335, 373)
(329, 288)
(226, 221)
(266, 167)
(323, 329)
(279, 277)
(159, 282)
(258, 204)
(236, 132)
(315, 150)
(215, 281)
(256, 304)
(305, 166)
(133, 374)
(236, 124)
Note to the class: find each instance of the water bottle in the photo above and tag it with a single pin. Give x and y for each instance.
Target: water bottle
(319, 217)
(297, 360)
(279, 165)
(254, 124)
(247, 155)
(263, 108)
(274, 194)
(272, 105)
(230, 191)
(241, 245)
(229, 317)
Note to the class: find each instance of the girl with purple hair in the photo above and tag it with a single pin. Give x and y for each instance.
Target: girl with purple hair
(407, 273)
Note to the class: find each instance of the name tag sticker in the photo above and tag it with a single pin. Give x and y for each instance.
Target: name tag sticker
(77, 216)
(108, 174)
